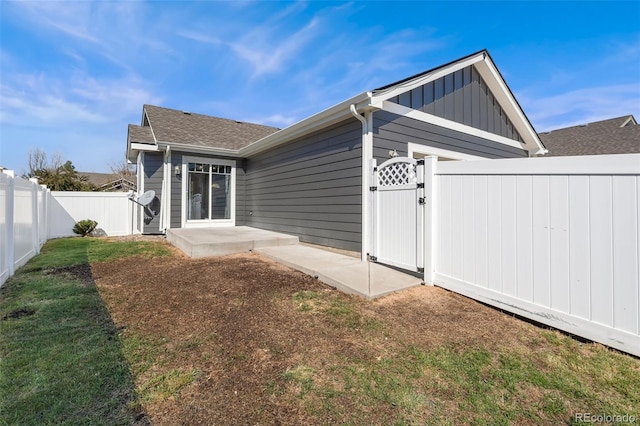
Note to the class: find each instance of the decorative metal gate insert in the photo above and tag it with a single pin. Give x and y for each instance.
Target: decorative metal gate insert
(397, 206)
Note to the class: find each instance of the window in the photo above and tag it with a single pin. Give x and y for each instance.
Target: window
(209, 186)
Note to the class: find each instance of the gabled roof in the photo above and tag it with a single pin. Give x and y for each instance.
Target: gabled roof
(181, 127)
(620, 135)
(108, 181)
(165, 126)
(228, 137)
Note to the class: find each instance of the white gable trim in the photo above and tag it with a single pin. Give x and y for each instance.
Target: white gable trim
(443, 122)
(424, 79)
(496, 84)
(501, 92)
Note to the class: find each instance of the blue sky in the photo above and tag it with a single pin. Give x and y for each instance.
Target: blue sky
(74, 74)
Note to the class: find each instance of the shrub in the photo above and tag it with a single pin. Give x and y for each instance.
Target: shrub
(85, 227)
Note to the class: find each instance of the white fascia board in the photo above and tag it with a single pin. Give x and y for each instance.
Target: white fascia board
(144, 114)
(429, 151)
(389, 93)
(614, 165)
(144, 147)
(199, 149)
(317, 121)
(501, 92)
(449, 124)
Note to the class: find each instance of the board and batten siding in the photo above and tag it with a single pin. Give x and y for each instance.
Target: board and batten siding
(176, 187)
(392, 131)
(153, 174)
(310, 187)
(463, 97)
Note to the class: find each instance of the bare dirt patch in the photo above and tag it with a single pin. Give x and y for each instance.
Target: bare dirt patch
(257, 334)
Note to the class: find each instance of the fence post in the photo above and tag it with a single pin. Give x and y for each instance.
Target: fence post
(35, 228)
(430, 194)
(10, 255)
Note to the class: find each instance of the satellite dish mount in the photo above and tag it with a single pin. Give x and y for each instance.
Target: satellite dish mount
(145, 200)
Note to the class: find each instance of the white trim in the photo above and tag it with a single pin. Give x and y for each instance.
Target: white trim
(200, 149)
(389, 93)
(501, 92)
(324, 118)
(215, 222)
(140, 189)
(443, 122)
(426, 150)
(367, 156)
(144, 147)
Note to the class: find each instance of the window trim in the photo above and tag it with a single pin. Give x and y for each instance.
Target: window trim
(207, 223)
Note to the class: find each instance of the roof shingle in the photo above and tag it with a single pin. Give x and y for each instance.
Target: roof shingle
(600, 137)
(173, 126)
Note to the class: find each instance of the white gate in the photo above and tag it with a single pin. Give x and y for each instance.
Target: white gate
(397, 206)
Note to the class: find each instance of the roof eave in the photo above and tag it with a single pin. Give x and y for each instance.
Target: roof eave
(310, 124)
(198, 149)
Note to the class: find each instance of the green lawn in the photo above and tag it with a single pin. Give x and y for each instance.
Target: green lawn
(61, 361)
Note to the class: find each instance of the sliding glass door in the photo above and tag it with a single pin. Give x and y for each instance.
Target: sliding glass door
(209, 190)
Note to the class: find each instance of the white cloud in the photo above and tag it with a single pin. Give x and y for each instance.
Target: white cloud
(581, 106)
(39, 101)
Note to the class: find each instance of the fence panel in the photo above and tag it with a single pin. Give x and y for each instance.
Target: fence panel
(23, 221)
(113, 211)
(552, 239)
(6, 208)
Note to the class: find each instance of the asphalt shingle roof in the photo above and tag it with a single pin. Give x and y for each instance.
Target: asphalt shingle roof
(140, 134)
(174, 126)
(600, 137)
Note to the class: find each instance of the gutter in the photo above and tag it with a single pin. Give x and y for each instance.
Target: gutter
(326, 117)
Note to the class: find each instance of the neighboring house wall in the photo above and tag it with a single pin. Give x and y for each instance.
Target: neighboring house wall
(463, 97)
(391, 131)
(310, 187)
(153, 170)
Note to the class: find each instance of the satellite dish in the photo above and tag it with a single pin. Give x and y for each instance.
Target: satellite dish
(146, 198)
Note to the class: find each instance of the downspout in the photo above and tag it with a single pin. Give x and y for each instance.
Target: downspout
(164, 201)
(367, 152)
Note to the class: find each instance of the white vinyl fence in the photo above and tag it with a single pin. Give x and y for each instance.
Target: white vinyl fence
(23, 224)
(555, 240)
(30, 214)
(113, 211)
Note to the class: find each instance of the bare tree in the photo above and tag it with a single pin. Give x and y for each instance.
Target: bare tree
(124, 170)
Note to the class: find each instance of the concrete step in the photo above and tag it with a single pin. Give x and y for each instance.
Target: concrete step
(205, 242)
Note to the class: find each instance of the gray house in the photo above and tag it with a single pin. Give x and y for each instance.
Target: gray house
(312, 179)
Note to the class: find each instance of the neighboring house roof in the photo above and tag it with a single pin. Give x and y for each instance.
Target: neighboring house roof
(108, 181)
(619, 135)
(182, 130)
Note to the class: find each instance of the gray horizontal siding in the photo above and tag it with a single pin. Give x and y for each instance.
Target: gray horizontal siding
(176, 188)
(310, 187)
(153, 171)
(392, 131)
(463, 97)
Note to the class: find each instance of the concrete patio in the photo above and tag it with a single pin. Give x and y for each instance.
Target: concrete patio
(346, 273)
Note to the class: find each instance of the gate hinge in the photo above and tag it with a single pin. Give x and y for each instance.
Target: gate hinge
(373, 188)
(421, 201)
(421, 270)
(373, 259)
(421, 185)
(420, 162)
